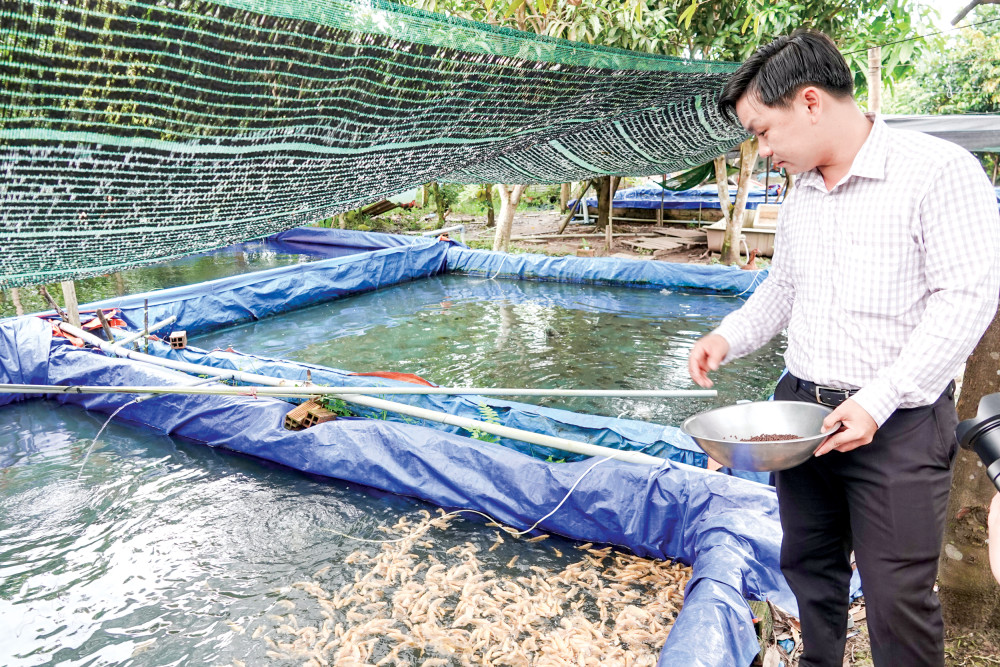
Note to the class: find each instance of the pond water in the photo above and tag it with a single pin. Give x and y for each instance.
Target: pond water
(164, 552)
(230, 261)
(460, 331)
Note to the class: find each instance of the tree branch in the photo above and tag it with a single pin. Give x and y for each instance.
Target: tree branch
(969, 7)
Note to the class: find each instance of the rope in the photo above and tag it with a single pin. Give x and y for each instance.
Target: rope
(507, 529)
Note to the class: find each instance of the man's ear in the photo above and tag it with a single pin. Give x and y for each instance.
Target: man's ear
(812, 99)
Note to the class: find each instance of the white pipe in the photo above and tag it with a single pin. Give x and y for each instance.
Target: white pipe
(155, 327)
(564, 444)
(454, 228)
(317, 390)
(294, 388)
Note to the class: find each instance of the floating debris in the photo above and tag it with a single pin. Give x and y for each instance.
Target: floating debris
(406, 608)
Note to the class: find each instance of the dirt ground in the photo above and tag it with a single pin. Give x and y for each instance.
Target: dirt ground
(547, 223)
(962, 648)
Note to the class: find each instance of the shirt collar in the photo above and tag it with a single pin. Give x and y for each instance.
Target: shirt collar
(868, 163)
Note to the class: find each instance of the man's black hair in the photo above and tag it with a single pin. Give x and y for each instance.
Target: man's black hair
(779, 70)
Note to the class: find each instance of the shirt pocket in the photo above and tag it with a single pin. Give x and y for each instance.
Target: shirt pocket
(871, 276)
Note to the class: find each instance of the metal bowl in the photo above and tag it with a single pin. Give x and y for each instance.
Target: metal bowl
(720, 431)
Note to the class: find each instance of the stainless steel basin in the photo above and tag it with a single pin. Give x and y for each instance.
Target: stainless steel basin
(720, 431)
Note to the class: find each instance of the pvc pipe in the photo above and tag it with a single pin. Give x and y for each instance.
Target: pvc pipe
(564, 444)
(155, 327)
(317, 390)
(444, 230)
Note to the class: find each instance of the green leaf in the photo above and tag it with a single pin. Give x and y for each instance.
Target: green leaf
(595, 21)
(686, 16)
(905, 51)
(513, 7)
(743, 29)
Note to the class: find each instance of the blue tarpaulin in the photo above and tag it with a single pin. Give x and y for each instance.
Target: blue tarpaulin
(227, 301)
(706, 196)
(604, 271)
(727, 528)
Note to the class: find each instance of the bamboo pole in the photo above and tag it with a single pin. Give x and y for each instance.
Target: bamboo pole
(576, 205)
(315, 390)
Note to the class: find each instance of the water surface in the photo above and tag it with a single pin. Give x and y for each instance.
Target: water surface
(470, 332)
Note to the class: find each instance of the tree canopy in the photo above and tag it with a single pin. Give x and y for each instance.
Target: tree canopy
(960, 75)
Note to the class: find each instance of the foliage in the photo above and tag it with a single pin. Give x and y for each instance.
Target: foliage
(733, 29)
(490, 416)
(962, 75)
(640, 25)
(336, 406)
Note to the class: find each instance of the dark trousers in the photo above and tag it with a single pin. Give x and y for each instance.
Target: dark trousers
(886, 501)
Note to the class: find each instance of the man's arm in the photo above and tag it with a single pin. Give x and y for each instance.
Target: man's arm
(961, 237)
(765, 313)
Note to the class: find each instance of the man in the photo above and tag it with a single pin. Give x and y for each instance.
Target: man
(885, 275)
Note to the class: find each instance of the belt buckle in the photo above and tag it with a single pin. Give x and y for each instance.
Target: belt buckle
(840, 395)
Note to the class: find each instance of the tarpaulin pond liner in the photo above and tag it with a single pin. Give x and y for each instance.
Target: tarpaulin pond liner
(707, 196)
(604, 271)
(215, 304)
(227, 301)
(727, 528)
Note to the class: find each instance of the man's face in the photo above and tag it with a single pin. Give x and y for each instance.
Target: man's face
(786, 133)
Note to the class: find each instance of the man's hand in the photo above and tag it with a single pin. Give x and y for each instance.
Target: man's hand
(994, 535)
(857, 428)
(706, 355)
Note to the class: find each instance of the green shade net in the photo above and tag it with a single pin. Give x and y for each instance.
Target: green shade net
(132, 132)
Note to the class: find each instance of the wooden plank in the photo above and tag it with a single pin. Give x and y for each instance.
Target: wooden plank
(654, 244)
(682, 233)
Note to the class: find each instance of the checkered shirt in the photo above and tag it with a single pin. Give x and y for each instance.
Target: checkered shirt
(886, 282)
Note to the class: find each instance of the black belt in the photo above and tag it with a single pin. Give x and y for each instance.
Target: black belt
(830, 396)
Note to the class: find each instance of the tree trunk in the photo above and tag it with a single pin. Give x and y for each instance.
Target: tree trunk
(731, 240)
(722, 183)
(970, 598)
(15, 296)
(604, 196)
(564, 196)
(119, 283)
(509, 197)
(490, 213)
(438, 203)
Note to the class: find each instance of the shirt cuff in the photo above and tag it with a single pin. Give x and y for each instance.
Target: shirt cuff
(879, 399)
(738, 343)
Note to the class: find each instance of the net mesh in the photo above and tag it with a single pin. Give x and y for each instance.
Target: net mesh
(133, 132)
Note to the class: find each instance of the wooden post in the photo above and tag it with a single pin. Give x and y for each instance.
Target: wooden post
(563, 197)
(72, 306)
(576, 205)
(104, 325)
(875, 79)
(52, 303)
(612, 189)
